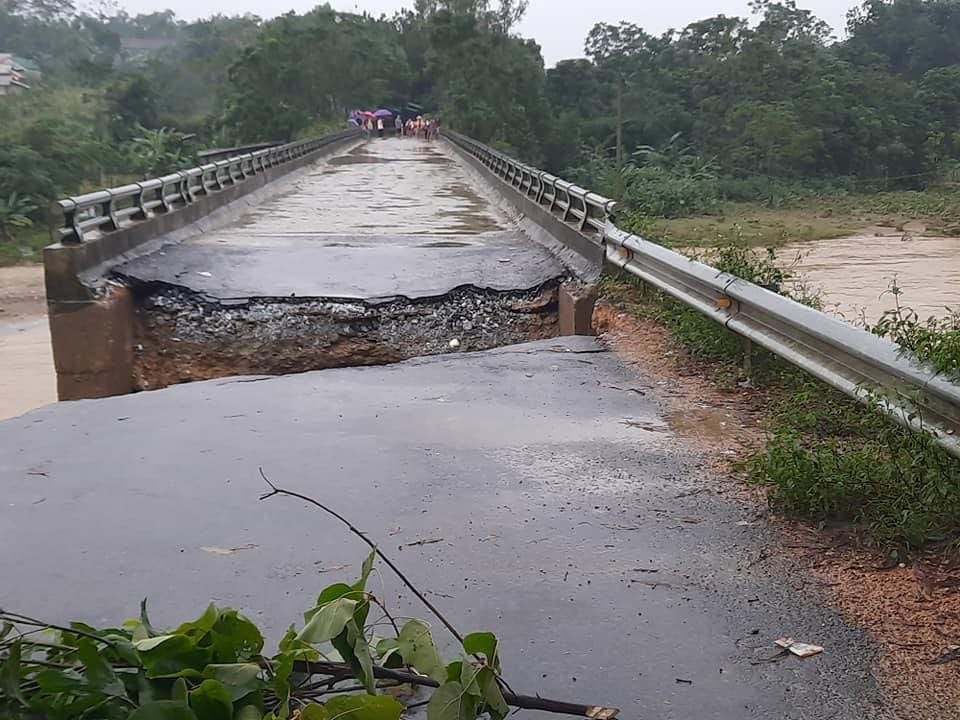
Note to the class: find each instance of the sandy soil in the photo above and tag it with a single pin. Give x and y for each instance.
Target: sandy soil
(914, 614)
(27, 378)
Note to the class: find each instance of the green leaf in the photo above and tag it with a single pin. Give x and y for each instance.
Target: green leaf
(10, 674)
(124, 649)
(99, 673)
(145, 619)
(451, 701)
(314, 711)
(202, 625)
(5, 629)
(468, 678)
(251, 712)
(179, 691)
(211, 701)
(234, 638)
(365, 571)
(483, 643)
(417, 648)
(364, 707)
(454, 671)
(60, 681)
(163, 710)
(329, 621)
(493, 700)
(240, 679)
(361, 650)
(331, 593)
(146, 692)
(172, 656)
(388, 649)
(148, 644)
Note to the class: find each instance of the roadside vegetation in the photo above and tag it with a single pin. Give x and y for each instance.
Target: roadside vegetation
(826, 458)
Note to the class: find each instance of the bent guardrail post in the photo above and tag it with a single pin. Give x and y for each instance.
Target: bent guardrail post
(91, 319)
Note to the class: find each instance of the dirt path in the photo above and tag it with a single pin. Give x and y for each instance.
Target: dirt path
(916, 669)
(27, 378)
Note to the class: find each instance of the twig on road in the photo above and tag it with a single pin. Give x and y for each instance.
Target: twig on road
(274, 491)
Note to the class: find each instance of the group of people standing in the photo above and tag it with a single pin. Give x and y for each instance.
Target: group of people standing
(419, 127)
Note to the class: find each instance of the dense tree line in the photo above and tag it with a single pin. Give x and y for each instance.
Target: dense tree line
(725, 108)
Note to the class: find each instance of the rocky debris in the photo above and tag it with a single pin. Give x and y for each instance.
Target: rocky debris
(181, 336)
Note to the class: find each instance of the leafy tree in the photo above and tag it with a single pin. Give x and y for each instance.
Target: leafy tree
(319, 65)
(132, 104)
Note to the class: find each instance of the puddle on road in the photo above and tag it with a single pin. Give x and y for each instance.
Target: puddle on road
(854, 273)
(27, 378)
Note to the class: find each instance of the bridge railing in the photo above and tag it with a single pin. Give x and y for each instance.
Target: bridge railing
(868, 368)
(571, 203)
(114, 208)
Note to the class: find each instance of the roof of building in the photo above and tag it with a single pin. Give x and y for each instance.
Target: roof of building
(11, 72)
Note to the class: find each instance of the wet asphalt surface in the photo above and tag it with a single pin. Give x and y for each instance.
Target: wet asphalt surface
(560, 497)
(390, 218)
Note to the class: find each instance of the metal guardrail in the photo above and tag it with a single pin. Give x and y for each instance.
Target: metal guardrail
(572, 203)
(212, 154)
(856, 362)
(114, 208)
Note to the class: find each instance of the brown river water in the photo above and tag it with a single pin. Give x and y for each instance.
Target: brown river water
(27, 379)
(851, 274)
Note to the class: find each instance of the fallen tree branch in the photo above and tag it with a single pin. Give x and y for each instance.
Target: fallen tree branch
(524, 702)
(274, 490)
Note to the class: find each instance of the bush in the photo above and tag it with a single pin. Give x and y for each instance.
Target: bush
(661, 192)
(831, 459)
(22, 173)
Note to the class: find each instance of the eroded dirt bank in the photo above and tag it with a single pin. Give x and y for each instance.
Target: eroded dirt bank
(181, 337)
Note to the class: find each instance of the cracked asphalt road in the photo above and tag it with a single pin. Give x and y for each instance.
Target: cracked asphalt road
(555, 495)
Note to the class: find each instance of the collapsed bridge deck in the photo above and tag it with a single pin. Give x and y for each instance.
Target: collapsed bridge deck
(379, 254)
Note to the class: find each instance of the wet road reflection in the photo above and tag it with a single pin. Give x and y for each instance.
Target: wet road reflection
(384, 186)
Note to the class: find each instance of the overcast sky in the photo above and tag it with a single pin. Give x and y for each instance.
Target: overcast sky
(560, 26)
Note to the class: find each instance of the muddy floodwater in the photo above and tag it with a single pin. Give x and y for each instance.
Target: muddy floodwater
(854, 274)
(27, 378)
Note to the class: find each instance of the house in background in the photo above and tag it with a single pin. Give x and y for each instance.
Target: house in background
(11, 75)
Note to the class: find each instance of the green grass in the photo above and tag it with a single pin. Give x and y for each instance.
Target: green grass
(27, 247)
(826, 458)
(816, 218)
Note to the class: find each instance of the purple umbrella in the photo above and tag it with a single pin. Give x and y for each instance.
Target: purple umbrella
(382, 113)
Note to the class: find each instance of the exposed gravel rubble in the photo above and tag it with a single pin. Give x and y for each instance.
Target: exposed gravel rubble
(182, 336)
